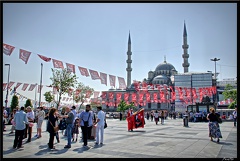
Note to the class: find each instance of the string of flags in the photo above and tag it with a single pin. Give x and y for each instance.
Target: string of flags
(24, 56)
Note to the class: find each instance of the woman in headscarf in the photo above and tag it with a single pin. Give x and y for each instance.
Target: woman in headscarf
(214, 129)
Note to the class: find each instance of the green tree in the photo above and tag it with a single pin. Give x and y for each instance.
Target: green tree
(63, 80)
(84, 92)
(230, 93)
(49, 97)
(14, 102)
(28, 103)
(123, 106)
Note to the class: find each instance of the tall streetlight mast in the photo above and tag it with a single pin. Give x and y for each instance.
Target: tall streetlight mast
(6, 101)
(215, 77)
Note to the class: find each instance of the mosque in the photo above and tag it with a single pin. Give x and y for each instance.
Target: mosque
(165, 74)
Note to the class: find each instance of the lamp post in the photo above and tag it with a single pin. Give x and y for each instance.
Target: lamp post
(6, 101)
(215, 77)
(40, 89)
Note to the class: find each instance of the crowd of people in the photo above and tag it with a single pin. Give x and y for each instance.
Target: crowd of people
(22, 121)
(91, 123)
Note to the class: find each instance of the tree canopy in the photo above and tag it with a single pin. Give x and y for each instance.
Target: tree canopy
(230, 93)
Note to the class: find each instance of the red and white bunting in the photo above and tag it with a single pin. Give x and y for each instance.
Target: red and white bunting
(8, 49)
(24, 55)
(70, 91)
(94, 74)
(83, 71)
(122, 84)
(18, 84)
(39, 88)
(10, 85)
(95, 94)
(57, 64)
(71, 67)
(55, 90)
(77, 91)
(103, 78)
(112, 80)
(25, 85)
(63, 99)
(44, 58)
(88, 94)
(4, 86)
(32, 86)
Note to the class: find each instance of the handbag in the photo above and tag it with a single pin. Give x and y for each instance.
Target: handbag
(62, 124)
(86, 122)
(219, 120)
(105, 123)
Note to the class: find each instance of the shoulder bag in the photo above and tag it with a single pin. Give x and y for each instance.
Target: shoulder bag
(55, 128)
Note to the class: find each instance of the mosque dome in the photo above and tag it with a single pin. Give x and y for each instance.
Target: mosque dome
(165, 66)
(161, 79)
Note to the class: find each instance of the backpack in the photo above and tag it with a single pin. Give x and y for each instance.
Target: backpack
(62, 124)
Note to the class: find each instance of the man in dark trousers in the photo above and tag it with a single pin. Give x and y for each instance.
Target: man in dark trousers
(20, 120)
(120, 116)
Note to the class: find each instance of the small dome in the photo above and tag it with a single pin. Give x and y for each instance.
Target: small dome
(161, 79)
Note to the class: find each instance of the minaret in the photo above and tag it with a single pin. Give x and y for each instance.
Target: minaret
(185, 55)
(129, 61)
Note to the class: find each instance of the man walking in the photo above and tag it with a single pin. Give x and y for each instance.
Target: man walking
(235, 117)
(100, 125)
(20, 119)
(69, 120)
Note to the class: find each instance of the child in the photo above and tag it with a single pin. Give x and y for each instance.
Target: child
(75, 129)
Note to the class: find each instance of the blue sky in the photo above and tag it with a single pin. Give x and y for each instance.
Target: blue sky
(95, 36)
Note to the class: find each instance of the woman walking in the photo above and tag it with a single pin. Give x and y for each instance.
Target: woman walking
(156, 117)
(214, 129)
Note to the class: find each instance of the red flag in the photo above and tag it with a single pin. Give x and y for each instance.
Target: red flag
(83, 71)
(18, 84)
(88, 94)
(10, 85)
(57, 64)
(63, 99)
(32, 86)
(4, 86)
(39, 88)
(112, 80)
(24, 55)
(25, 85)
(148, 97)
(134, 97)
(94, 74)
(46, 59)
(8, 49)
(122, 84)
(110, 95)
(77, 91)
(103, 78)
(70, 91)
(104, 95)
(126, 97)
(118, 97)
(71, 67)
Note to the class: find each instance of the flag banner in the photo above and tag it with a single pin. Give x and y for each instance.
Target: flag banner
(155, 97)
(32, 86)
(110, 96)
(140, 99)
(103, 78)
(94, 74)
(77, 91)
(104, 95)
(136, 120)
(67, 99)
(88, 94)
(4, 86)
(83, 71)
(18, 84)
(118, 97)
(8, 49)
(70, 99)
(134, 97)
(55, 90)
(57, 64)
(136, 85)
(70, 91)
(25, 85)
(10, 85)
(122, 84)
(112, 80)
(24, 55)
(71, 67)
(148, 97)
(39, 88)
(95, 94)
(63, 99)
(126, 97)
(44, 58)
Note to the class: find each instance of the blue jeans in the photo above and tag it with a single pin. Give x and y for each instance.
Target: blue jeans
(69, 133)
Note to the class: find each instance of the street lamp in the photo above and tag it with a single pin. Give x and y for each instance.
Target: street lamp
(6, 101)
(215, 76)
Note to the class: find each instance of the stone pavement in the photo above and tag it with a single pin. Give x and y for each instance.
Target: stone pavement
(170, 140)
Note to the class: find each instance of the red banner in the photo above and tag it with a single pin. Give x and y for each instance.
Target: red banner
(77, 91)
(32, 86)
(83, 71)
(126, 97)
(112, 80)
(18, 84)
(136, 120)
(44, 58)
(57, 64)
(24, 55)
(95, 94)
(25, 85)
(94, 74)
(103, 78)
(122, 84)
(10, 84)
(4, 86)
(71, 67)
(8, 49)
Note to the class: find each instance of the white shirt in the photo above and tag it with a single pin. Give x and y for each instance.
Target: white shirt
(101, 117)
(40, 115)
(30, 115)
(235, 114)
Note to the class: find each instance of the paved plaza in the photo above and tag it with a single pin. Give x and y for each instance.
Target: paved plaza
(171, 140)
